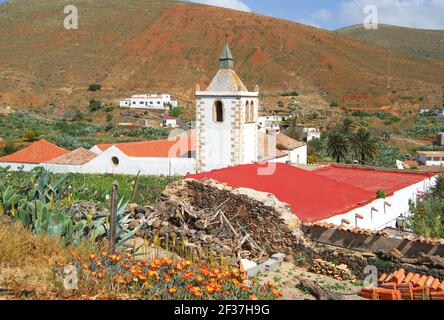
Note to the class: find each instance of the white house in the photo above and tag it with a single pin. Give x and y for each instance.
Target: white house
(149, 101)
(430, 158)
(312, 133)
(270, 124)
(169, 122)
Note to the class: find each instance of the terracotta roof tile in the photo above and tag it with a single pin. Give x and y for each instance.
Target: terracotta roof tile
(39, 152)
(154, 149)
(79, 156)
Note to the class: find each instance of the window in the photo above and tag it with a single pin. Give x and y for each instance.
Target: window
(115, 161)
(252, 117)
(158, 102)
(134, 102)
(141, 102)
(247, 112)
(218, 111)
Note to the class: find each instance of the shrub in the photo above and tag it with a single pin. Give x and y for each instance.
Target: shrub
(95, 105)
(175, 112)
(380, 194)
(95, 87)
(31, 135)
(334, 104)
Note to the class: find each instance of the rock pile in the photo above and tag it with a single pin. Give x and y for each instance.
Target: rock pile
(339, 272)
(237, 224)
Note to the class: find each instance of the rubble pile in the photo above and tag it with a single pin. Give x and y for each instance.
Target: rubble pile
(209, 216)
(339, 272)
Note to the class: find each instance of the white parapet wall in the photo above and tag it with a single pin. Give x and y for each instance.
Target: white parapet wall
(142, 166)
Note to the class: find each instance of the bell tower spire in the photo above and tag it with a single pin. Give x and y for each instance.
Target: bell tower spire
(226, 59)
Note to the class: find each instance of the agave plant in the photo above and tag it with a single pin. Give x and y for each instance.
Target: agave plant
(49, 209)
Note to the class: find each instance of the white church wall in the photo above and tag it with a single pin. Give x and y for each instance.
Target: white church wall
(250, 143)
(386, 215)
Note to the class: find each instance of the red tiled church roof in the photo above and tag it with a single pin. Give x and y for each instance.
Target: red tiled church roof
(154, 149)
(311, 196)
(38, 152)
(372, 179)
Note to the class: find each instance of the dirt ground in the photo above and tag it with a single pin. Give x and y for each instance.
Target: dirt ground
(284, 279)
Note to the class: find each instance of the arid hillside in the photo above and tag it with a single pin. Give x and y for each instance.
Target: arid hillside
(418, 42)
(150, 45)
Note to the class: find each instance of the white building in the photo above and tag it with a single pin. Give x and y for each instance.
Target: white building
(312, 133)
(335, 194)
(430, 158)
(169, 122)
(270, 124)
(149, 101)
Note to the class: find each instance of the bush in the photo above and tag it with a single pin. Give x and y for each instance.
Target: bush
(95, 105)
(31, 135)
(290, 94)
(95, 87)
(380, 194)
(334, 104)
(176, 112)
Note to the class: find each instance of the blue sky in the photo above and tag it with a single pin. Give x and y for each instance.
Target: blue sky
(334, 14)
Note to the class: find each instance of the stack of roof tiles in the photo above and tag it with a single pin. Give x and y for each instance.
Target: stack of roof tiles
(400, 285)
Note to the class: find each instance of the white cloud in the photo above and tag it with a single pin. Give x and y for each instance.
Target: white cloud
(425, 14)
(322, 14)
(230, 4)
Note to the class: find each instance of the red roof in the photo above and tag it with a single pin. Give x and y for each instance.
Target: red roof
(154, 148)
(312, 197)
(371, 179)
(38, 152)
(169, 118)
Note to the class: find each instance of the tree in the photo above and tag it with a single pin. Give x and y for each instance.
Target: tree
(280, 104)
(364, 145)
(176, 112)
(347, 126)
(337, 145)
(293, 107)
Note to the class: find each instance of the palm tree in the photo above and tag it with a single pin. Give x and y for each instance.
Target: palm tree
(363, 144)
(347, 126)
(337, 145)
(293, 107)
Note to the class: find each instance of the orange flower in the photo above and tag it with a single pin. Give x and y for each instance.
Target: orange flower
(92, 257)
(244, 276)
(167, 261)
(120, 280)
(167, 277)
(104, 254)
(152, 273)
(86, 266)
(142, 278)
(196, 291)
(270, 283)
(172, 290)
(275, 293)
(253, 297)
(235, 281)
(179, 267)
(200, 279)
(209, 289)
(186, 263)
(235, 271)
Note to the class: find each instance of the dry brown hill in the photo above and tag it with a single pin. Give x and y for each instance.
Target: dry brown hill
(418, 42)
(148, 45)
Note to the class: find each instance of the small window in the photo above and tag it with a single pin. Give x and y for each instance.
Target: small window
(134, 102)
(247, 112)
(115, 161)
(218, 111)
(252, 117)
(141, 102)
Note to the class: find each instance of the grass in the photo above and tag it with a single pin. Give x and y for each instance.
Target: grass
(27, 260)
